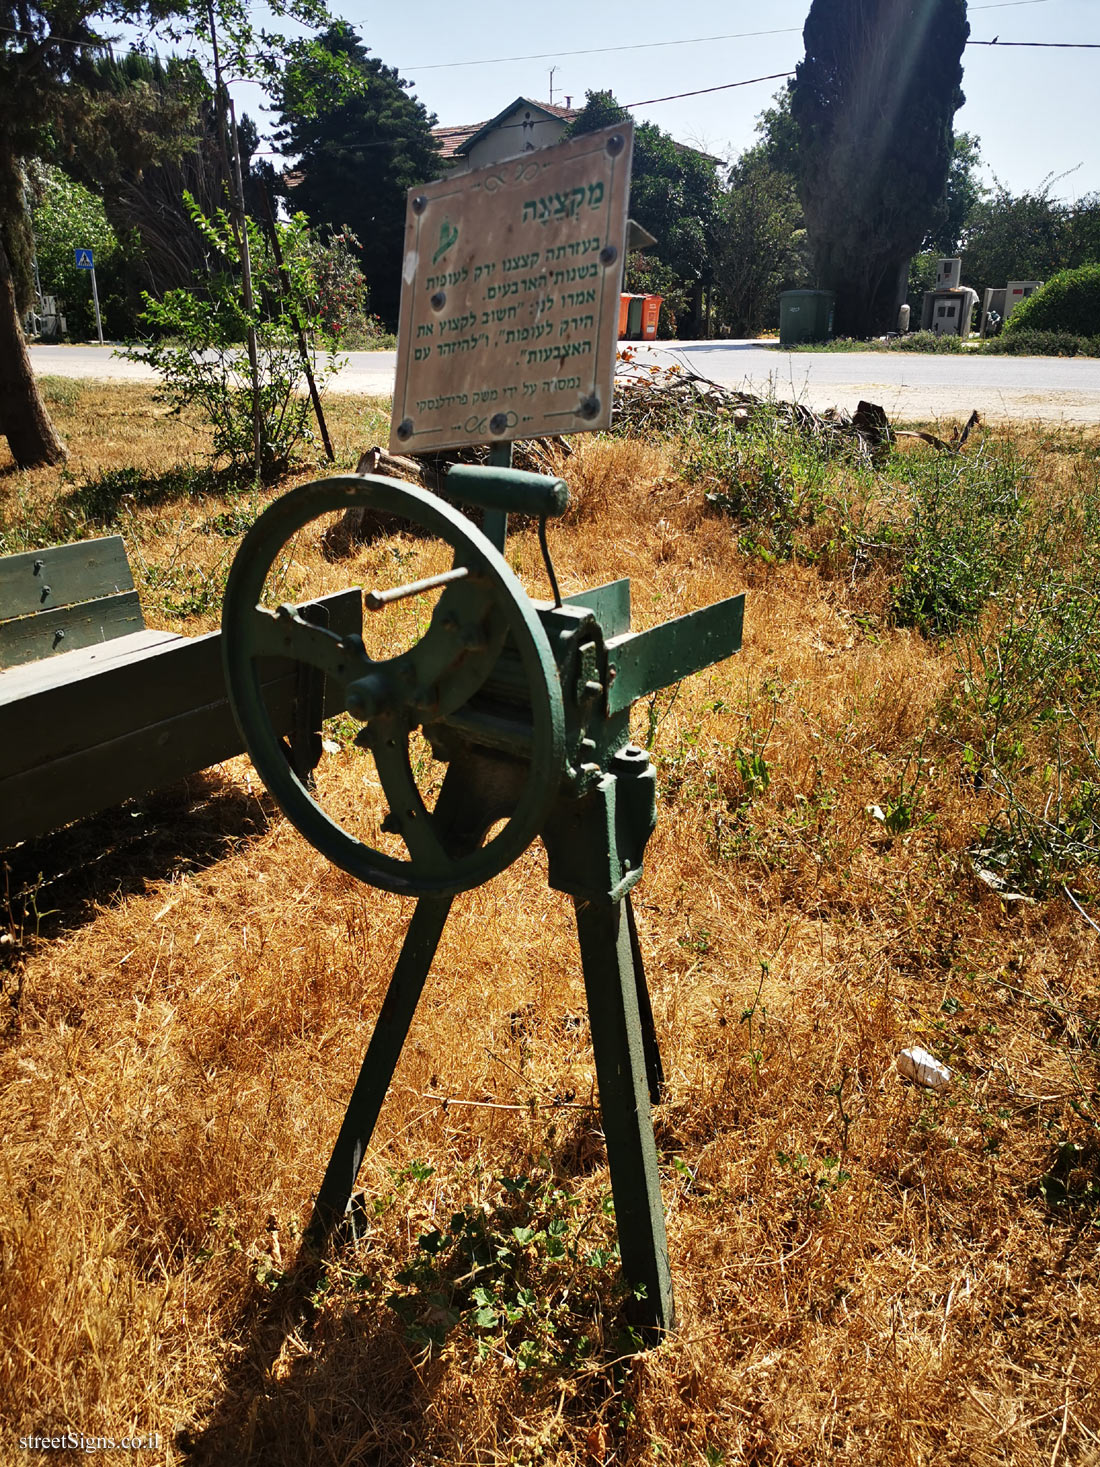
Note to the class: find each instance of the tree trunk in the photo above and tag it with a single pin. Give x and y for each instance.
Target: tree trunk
(24, 421)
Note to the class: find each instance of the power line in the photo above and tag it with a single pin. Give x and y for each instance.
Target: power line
(601, 50)
(1054, 45)
(658, 45)
(58, 40)
(725, 87)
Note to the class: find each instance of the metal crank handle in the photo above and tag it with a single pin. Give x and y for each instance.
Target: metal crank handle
(376, 600)
(512, 490)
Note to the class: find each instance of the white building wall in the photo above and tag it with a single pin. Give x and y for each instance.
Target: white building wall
(519, 132)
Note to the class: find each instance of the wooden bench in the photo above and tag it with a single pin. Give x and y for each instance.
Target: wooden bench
(96, 707)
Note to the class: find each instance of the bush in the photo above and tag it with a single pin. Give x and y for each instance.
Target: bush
(762, 471)
(963, 513)
(1042, 344)
(199, 351)
(68, 217)
(927, 341)
(1070, 301)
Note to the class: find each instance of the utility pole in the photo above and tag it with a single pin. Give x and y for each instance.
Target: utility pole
(95, 303)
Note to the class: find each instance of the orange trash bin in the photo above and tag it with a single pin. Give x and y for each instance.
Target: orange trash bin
(651, 314)
(624, 309)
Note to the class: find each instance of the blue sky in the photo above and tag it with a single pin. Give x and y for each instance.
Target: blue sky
(1035, 111)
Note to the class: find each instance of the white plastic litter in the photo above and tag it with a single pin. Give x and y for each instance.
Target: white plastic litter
(923, 1068)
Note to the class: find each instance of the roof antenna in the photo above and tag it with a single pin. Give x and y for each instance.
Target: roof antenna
(552, 71)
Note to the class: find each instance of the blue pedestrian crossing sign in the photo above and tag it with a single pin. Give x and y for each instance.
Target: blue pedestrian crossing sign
(84, 260)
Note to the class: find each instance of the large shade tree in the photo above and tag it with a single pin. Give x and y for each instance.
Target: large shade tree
(52, 102)
(357, 155)
(42, 47)
(873, 101)
(674, 194)
(1030, 236)
(174, 112)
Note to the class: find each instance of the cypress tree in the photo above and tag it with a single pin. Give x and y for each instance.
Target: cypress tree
(873, 100)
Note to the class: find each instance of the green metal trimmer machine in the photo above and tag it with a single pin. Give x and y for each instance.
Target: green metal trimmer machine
(527, 704)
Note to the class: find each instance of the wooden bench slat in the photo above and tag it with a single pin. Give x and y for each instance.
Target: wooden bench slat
(122, 728)
(63, 575)
(139, 760)
(69, 667)
(32, 638)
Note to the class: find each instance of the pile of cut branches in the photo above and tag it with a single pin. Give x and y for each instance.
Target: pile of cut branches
(652, 400)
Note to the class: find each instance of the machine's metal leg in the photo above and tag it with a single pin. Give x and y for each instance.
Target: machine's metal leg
(611, 985)
(654, 1069)
(383, 1052)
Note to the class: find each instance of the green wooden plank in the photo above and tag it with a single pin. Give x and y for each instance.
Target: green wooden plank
(17, 683)
(642, 662)
(63, 575)
(31, 638)
(140, 760)
(81, 746)
(610, 604)
(154, 685)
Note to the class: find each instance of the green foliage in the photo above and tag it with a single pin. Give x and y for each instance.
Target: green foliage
(1069, 302)
(1030, 236)
(157, 135)
(761, 471)
(647, 275)
(674, 194)
(778, 137)
(358, 154)
(67, 216)
(759, 252)
(963, 193)
(53, 104)
(918, 341)
(963, 510)
(528, 1281)
(198, 347)
(1027, 343)
(929, 341)
(873, 101)
(339, 289)
(1030, 677)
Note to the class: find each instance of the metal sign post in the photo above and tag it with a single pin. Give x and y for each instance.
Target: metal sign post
(527, 703)
(85, 260)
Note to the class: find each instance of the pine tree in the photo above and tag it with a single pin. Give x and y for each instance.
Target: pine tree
(51, 103)
(357, 156)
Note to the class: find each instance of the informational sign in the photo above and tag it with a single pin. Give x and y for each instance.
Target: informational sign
(84, 260)
(510, 297)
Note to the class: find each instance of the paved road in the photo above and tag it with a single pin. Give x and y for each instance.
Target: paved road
(907, 384)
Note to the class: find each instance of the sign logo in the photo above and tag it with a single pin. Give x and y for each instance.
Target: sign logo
(84, 260)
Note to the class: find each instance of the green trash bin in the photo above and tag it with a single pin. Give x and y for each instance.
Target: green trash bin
(805, 315)
(634, 317)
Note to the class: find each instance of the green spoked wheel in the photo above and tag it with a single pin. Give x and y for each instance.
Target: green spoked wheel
(476, 613)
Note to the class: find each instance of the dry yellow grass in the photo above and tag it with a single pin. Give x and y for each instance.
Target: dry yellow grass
(864, 1272)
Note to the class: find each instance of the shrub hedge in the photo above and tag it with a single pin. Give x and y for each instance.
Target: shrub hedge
(1069, 301)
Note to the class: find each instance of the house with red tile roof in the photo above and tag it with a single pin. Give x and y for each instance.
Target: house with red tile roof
(520, 128)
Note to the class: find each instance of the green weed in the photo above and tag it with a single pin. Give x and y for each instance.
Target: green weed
(527, 1281)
